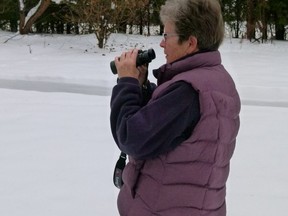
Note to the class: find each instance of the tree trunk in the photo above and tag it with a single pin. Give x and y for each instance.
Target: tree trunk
(280, 32)
(100, 41)
(22, 20)
(148, 18)
(13, 25)
(68, 28)
(25, 28)
(251, 19)
(264, 20)
(161, 29)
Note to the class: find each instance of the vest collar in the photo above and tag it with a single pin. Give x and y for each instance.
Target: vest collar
(195, 60)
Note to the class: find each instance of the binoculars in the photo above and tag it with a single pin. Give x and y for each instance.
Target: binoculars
(144, 57)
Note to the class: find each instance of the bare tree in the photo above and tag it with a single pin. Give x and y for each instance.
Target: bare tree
(27, 20)
(139, 14)
(102, 17)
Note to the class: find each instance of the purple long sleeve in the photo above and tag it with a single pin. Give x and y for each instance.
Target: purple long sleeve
(146, 130)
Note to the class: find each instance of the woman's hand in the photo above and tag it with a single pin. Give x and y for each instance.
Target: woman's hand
(143, 74)
(126, 64)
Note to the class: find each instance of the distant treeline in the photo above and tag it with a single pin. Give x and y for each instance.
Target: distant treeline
(251, 19)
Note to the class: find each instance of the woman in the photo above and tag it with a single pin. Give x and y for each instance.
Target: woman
(180, 136)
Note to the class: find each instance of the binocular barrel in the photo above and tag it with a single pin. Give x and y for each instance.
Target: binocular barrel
(144, 57)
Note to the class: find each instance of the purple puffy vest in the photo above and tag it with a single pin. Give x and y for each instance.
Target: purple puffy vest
(190, 180)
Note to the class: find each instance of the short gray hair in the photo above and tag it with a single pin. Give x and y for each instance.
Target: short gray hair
(199, 18)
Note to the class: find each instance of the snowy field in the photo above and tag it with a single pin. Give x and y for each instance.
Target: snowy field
(56, 151)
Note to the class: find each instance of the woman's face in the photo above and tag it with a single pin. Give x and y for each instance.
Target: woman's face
(172, 49)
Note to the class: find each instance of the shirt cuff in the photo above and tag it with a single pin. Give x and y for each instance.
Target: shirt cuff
(126, 80)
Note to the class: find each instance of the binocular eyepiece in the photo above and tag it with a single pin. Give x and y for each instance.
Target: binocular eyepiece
(144, 57)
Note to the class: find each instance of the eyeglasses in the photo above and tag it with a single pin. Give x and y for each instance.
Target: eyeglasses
(167, 35)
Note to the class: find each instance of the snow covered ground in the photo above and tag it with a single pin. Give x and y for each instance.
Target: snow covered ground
(56, 151)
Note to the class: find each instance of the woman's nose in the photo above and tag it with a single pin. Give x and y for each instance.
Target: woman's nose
(162, 43)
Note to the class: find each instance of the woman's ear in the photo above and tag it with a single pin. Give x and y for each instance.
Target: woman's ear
(192, 45)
